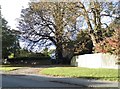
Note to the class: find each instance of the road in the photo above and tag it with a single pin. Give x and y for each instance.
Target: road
(23, 81)
(30, 78)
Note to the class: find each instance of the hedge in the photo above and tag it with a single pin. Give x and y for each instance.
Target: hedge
(29, 60)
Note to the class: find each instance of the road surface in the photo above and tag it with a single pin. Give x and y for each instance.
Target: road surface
(23, 81)
(31, 78)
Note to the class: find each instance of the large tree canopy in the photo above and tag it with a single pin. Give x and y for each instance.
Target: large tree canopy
(59, 24)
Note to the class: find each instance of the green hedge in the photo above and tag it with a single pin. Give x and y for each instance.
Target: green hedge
(28, 60)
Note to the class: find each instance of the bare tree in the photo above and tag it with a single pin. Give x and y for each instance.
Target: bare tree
(59, 23)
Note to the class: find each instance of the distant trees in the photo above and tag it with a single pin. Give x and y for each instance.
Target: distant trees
(8, 40)
(60, 24)
(26, 58)
(25, 53)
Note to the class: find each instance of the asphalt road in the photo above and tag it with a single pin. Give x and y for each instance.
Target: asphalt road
(29, 78)
(22, 81)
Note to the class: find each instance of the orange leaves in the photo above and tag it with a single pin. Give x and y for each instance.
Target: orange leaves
(109, 44)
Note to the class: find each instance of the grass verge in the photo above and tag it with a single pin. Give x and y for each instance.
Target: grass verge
(77, 72)
(6, 69)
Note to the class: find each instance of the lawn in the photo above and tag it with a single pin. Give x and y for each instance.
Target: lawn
(8, 68)
(77, 72)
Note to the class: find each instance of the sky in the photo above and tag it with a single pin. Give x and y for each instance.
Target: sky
(11, 10)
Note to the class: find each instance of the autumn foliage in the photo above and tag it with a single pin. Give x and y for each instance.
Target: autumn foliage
(110, 44)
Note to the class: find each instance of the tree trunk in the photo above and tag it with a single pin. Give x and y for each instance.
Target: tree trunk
(58, 54)
(63, 56)
(90, 29)
(93, 39)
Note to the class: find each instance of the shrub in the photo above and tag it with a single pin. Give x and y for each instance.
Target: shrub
(28, 60)
(109, 44)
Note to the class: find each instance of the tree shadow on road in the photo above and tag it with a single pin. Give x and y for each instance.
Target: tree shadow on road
(71, 83)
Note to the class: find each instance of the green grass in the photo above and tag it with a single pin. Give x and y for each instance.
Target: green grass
(8, 68)
(89, 73)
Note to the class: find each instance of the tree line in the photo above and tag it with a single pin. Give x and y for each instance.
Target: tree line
(74, 28)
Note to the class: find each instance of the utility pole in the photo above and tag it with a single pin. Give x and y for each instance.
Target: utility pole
(0, 37)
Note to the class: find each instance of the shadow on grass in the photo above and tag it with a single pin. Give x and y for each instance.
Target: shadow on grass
(35, 66)
(101, 78)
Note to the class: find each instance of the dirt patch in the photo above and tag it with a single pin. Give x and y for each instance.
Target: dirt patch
(24, 71)
(34, 70)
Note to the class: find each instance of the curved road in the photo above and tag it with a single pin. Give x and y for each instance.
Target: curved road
(29, 78)
(22, 81)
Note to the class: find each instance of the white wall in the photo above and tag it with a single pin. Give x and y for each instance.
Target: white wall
(97, 60)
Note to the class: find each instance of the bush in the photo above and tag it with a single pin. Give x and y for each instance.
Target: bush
(29, 60)
(109, 44)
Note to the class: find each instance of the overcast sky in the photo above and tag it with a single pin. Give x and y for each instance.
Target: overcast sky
(11, 10)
